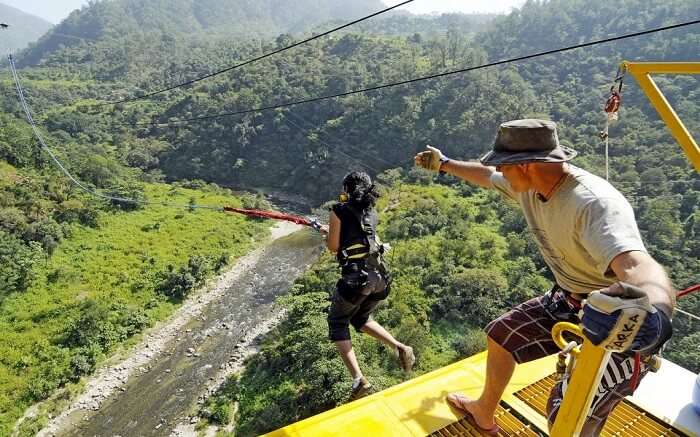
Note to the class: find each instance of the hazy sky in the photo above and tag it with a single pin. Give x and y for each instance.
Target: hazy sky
(51, 10)
(56, 10)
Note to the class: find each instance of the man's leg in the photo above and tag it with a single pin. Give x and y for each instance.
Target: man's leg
(349, 358)
(499, 369)
(615, 385)
(523, 334)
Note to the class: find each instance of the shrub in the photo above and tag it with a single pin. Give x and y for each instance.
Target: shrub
(472, 342)
(16, 263)
(178, 284)
(13, 220)
(74, 210)
(130, 196)
(47, 232)
(83, 361)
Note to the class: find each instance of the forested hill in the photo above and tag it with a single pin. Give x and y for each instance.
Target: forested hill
(26, 28)
(245, 19)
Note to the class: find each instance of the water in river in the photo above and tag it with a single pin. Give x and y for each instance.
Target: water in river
(155, 402)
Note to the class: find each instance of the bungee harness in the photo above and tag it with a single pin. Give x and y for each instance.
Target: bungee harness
(360, 246)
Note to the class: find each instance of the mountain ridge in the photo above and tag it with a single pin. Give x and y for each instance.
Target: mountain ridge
(250, 19)
(24, 28)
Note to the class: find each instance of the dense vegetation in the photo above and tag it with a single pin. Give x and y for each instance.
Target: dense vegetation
(107, 20)
(80, 275)
(463, 256)
(24, 28)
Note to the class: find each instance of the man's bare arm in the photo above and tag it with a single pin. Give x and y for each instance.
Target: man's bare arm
(471, 171)
(640, 269)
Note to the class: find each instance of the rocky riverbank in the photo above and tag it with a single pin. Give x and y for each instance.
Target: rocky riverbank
(186, 358)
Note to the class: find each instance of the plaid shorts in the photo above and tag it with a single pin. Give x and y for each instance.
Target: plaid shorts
(525, 332)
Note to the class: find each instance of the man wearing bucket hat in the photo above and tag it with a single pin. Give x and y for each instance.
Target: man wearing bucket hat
(588, 236)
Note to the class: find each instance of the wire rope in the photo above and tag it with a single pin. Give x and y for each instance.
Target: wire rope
(35, 129)
(420, 79)
(250, 61)
(687, 314)
(353, 148)
(350, 157)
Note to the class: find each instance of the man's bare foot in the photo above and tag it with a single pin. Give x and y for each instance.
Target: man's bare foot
(475, 415)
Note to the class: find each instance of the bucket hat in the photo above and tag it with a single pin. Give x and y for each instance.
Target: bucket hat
(527, 140)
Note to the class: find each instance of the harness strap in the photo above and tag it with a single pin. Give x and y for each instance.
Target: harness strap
(637, 370)
(354, 252)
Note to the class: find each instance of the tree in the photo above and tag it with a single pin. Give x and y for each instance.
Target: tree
(17, 261)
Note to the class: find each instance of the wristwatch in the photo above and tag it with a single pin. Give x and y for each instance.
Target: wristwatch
(443, 160)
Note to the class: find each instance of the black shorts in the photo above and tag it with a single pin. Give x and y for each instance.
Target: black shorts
(355, 306)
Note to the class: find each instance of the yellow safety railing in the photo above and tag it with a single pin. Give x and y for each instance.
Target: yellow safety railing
(585, 378)
(642, 71)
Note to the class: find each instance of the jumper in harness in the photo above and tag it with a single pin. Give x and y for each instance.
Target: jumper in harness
(360, 247)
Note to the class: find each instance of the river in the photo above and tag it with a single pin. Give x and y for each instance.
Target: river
(154, 400)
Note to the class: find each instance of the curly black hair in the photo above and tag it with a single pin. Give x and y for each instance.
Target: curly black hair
(360, 189)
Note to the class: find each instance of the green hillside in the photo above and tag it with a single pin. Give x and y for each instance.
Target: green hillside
(104, 283)
(232, 19)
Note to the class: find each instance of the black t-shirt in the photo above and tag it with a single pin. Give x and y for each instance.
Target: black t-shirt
(350, 228)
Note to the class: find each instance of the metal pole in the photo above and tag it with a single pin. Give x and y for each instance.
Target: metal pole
(583, 385)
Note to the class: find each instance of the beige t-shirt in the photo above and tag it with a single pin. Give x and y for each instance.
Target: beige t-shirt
(580, 230)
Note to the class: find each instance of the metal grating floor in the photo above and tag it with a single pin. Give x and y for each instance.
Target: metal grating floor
(510, 426)
(625, 420)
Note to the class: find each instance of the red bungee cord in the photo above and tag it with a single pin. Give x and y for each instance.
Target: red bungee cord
(689, 290)
(275, 215)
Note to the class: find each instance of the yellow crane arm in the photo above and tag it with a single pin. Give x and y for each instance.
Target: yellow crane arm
(642, 71)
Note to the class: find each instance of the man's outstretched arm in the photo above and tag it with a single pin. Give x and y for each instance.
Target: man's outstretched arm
(471, 171)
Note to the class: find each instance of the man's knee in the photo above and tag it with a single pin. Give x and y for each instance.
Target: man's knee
(494, 346)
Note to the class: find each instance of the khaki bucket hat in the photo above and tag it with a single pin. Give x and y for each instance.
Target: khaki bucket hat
(527, 140)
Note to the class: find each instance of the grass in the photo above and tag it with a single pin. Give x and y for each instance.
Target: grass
(113, 264)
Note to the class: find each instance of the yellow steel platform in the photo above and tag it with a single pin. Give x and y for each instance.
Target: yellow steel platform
(418, 407)
(625, 420)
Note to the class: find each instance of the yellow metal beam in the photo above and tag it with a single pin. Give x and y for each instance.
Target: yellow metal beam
(583, 385)
(642, 71)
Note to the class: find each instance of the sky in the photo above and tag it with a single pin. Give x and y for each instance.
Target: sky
(56, 10)
(51, 10)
